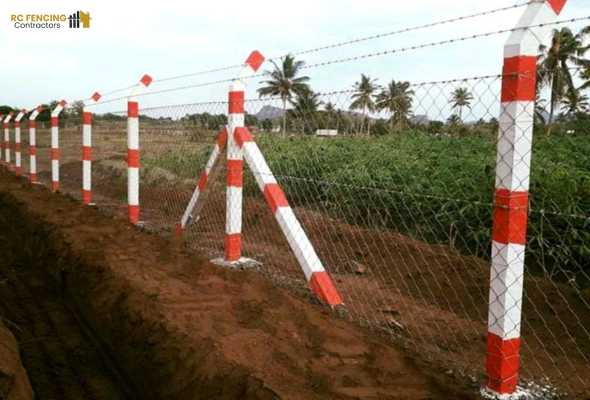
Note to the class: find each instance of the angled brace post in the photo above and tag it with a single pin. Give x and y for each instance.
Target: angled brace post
(321, 283)
(202, 183)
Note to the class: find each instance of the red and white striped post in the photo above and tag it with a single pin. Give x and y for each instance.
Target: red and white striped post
(55, 145)
(33, 144)
(7, 140)
(314, 271)
(133, 149)
(512, 195)
(87, 148)
(202, 181)
(17, 142)
(235, 161)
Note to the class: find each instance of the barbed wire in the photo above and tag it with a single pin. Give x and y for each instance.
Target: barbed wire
(443, 42)
(354, 41)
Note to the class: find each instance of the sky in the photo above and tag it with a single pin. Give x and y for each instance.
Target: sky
(127, 40)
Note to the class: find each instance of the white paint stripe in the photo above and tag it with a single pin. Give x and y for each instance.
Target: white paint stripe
(33, 164)
(298, 241)
(133, 187)
(55, 170)
(7, 142)
(515, 140)
(87, 135)
(133, 133)
(55, 137)
(233, 222)
(32, 137)
(506, 287)
(212, 159)
(525, 42)
(17, 159)
(86, 175)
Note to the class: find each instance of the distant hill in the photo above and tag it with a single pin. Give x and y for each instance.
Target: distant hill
(420, 119)
(269, 112)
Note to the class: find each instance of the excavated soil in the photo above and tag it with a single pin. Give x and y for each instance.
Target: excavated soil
(103, 310)
(14, 382)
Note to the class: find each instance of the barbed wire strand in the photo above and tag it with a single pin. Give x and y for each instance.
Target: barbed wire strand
(355, 41)
(370, 55)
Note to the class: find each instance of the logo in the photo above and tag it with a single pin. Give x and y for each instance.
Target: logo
(79, 16)
(76, 20)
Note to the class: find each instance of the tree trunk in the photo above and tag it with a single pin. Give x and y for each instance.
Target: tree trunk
(284, 118)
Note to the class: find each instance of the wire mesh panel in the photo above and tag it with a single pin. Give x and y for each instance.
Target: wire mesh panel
(175, 143)
(70, 168)
(109, 161)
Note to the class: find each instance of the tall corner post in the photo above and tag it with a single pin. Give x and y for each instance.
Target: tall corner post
(511, 202)
(133, 148)
(235, 159)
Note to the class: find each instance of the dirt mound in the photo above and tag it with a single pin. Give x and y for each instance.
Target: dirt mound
(14, 383)
(181, 328)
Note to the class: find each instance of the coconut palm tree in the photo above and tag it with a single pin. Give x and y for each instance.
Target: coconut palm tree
(397, 99)
(364, 97)
(454, 120)
(461, 98)
(284, 83)
(574, 102)
(554, 63)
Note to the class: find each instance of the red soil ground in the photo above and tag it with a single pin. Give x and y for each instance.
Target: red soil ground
(175, 326)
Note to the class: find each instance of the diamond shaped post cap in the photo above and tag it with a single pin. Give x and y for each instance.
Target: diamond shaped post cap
(255, 60)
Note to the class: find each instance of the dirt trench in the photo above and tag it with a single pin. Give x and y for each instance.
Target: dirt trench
(103, 310)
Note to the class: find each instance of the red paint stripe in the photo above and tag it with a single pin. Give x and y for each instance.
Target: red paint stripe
(17, 124)
(55, 186)
(133, 109)
(18, 171)
(39, 108)
(222, 139)
(87, 118)
(86, 196)
(54, 121)
(5, 125)
(178, 229)
(32, 177)
(32, 150)
(275, 197)
(133, 213)
(519, 79)
(32, 124)
(132, 158)
(324, 288)
(96, 96)
(55, 154)
(502, 364)
(233, 247)
(242, 135)
(86, 153)
(63, 103)
(557, 5)
(17, 147)
(234, 173)
(255, 60)
(202, 181)
(236, 102)
(510, 217)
